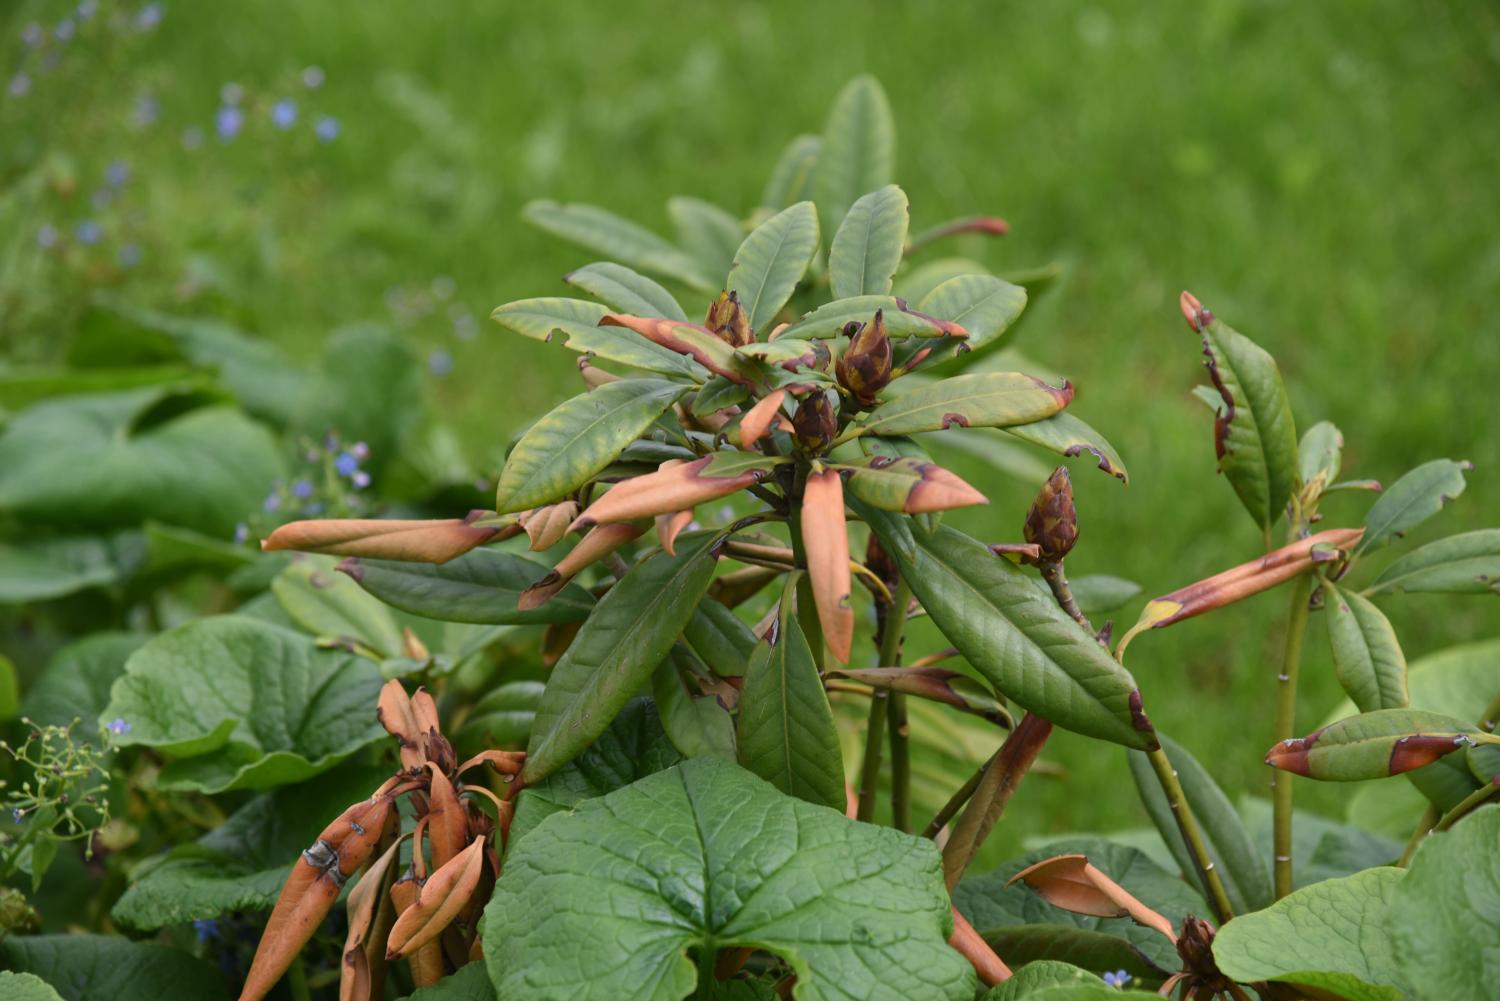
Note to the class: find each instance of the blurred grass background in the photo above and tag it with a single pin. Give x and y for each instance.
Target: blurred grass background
(1321, 175)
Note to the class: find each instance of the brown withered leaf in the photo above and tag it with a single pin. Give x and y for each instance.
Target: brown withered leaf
(413, 647)
(1075, 884)
(546, 526)
(953, 688)
(422, 541)
(435, 746)
(370, 915)
(674, 488)
(447, 820)
(395, 713)
(669, 526)
(438, 902)
(691, 339)
(426, 963)
(505, 762)
(825, 539)
(758, 419)
(600, 541)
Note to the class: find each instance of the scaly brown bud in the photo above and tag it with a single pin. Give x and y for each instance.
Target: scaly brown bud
(727, 319)
(1052, 522)
(865, 367)
(815, 423)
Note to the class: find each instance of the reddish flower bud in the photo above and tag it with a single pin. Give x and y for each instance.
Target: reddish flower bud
(728, 320)
(864, 369)
(815, 423)
(1052, 522)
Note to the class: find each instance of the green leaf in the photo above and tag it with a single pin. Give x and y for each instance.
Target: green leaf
(899, 484)
(1411, 500)
(94, 967)
(696, 724)
(995, 908)
(241, 864)
(869, 244)
(1037, 974)
(41, 569)
(330, 605)
(1089, 992)
(76, 682)
(1332, 936)
(1445, 915)
(26, 987)
(791, 179)
(1069, 436)
(1013, 635)
(1373, 745)
(470, 983)
(618, 238)
(786, 730)
(858, 152)
(1460, 564)
(983, 305)
(1367, 657)
(579, 439)
(240, 704)
(482, 587)
(1100, 593)
(1255, 436)
(829, 319)
(985, 399)
(720, 639)
(718, 393)
(370, 388)
(10, 689)
(707, 232)
(578, 321)
(706, 856)
(1245, 875)
(1320, 454)
(635, 745)
(771, 262)
(629, 633)
(123, 458)
(625, 291)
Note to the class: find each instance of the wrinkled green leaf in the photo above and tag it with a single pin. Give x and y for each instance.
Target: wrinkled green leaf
(26, 987)
(707, 232)
(618, 238)
(1069, 436)
(330, 605)
(705, 855)
(984, 399)
(1445, 915)
(786, 730)
(98, 967)
(718, 393)
(1460, 564)
(1367, 657)
(578, 321)
(696, 724)
(239, 704)
(629, 633)
(791, 178)
(858, 152)
(869, 244)
(625, 291)
(579, 439)
(45, 568)
(1015, 636)
(983, 305)
(771, 262)
(1332, 936)
(1411, 500)
(470, 983)
(77, 681)
(1038, 974)
(481, 586)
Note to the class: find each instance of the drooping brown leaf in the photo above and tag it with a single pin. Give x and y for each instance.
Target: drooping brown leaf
(447, 820)
(426, 963)
(825, 539)
(505, 762)
(953, 688)
(433, 541)
(600, 541)
(547, 525)
(758, 419)
(370, 916)
(1073, 883)
(438, 902)
(675, 488)
(395, 714)
(691, 339)
(669, 526)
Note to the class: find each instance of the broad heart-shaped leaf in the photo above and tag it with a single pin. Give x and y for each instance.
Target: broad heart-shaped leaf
(995, 908)
(1445, 915)
(1069, 436)
(705, 856)
(470, 983)
(241, 864)
(858, 152)
(829, 319)
(41, 569)
(791, 178)
(707, 232)
(696, 724)
(983, 305)
(77, 681)
(482, 587)
(1333, 936)
(1254, 434)
(95, 967)
(1322, 848)
(1088, 992)
(1012, 634)
(579, 439)
(1373, 745)
(869, 244)
(635, 745)
(1460, 564)
(241, 704)
(330, 605)
(1246, 877)
(1367, 656)
(984, 399)
(786, 731)
(628, 634)
(625, 241)
(578, 321)
(122, 458)
(625, 291)
(1037, 975)
(26, 987)
(771, 262)
(1411, 500)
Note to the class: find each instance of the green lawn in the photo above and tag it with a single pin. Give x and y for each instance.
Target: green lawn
(1321, 175)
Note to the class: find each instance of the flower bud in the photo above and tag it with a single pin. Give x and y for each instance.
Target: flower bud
(865, 368)
(815, 423)
(728, 320)
(1052, 522)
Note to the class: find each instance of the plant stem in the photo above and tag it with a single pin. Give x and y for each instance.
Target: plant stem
(707, 983)
(893, 630)
(1191, 835)
(296, 981)
(1057, 580)
(1491, 715)
(900, 731)
(1286, 722)
(957, 800)
(1430, 817)
(869, 769)
(999, 781)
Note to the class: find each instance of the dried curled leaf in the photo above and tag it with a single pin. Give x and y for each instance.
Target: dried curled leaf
(677, 488)
(825, 538)
(547, 525)
(438, 902)
(1073, 883)
(424, 541)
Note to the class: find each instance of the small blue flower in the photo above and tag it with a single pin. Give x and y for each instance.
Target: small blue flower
(360, 451)
(284, 113)
(46, 236)
(302, 489)
(147, 108)
(20, 85)
(241, 532)
(64, 30)
(271, 503)
(149, 16)
(118, 726)
(117, 173)
(130, 255)
(86, 9)
(1117, 979)
(439, 362)
(17, 814)
(228, 122)
(206, 928)
(33, 35)
(88, 231)
(312, 77)
(327, 128)
(346, 464)
(360, 479)
(314, 508)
